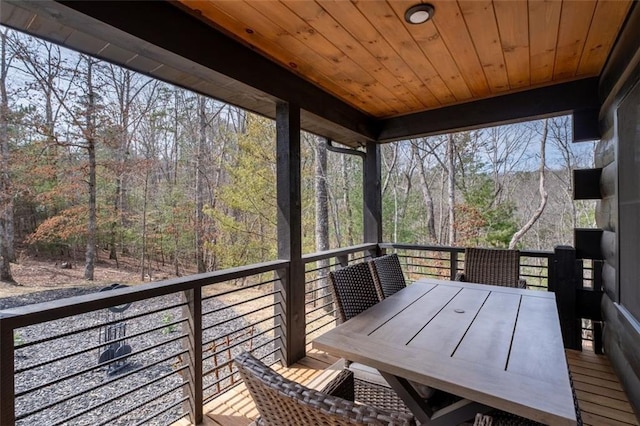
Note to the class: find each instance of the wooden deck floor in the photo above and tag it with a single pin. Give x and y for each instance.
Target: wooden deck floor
(601, 398)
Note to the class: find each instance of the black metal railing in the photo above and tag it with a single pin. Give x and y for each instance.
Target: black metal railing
(158, 352)
(149, 353)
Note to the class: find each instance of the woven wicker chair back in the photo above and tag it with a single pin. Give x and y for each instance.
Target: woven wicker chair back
(492, 266)
(353, 290)
(387, 274)
(282, 402)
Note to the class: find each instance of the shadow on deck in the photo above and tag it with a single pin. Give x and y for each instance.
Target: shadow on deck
(601, 398)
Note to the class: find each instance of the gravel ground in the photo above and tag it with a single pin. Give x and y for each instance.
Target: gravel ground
(152, 376)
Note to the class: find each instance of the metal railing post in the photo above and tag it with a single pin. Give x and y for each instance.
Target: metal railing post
(7, 390)
(453, 265)
(193, 313)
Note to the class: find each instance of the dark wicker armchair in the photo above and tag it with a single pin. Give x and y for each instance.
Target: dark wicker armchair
(282, 402)
(492, 266)
(353, 290)
(387, 274)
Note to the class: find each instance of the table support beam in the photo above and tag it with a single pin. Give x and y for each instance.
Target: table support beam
(453, 414)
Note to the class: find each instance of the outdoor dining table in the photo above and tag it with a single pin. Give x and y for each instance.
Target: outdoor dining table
(493, 346)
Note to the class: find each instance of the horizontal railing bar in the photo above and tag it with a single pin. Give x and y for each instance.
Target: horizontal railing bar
(63, 308)
(319, 268)
(315, 280)
(315, 290)
(319, 318)
(99, 345)
(239, 316)
(308, 258)
(253, 324)
(120, 395)
(320, 327)
(232, 385)
(420, 247)
(243, 301)
(164, 410)
(226, 363)
(239, 289)
(99, 385)
(94, 327)
(135, 407)
(229, 361)
(120, 358)
(236, 344)
(320, 307)
(245, 332)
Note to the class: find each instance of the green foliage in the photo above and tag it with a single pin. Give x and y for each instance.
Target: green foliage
(167, 319)
(482, 219)
(246, 226)
(17, 338)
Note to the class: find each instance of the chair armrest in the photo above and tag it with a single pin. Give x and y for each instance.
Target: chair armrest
(460, 277)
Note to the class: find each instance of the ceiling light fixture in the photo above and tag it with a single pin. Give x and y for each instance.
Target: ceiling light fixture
(419, 13)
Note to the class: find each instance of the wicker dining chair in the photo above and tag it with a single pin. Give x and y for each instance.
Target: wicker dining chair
(353, 290)
(387, 274)
(492, 266)
(282, 402)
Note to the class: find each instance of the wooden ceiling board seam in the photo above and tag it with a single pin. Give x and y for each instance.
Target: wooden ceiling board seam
(377, 104)
(571, 37)
(377, 46)
(515, 41)
(598, 46)
(405, 47)
(542, 48)
(298, 29)
(428, 40)
(448, 20)
(479, 17)
(238, 33)
(321, 21)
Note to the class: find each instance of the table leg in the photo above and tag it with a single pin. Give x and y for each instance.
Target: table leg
(456, 413)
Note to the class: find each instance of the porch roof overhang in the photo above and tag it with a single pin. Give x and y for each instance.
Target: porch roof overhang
(212, 48)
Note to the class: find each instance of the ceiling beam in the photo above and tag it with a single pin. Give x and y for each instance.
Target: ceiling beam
(527, 105)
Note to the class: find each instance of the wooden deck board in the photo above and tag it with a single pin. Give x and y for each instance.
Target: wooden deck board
(602, 401)
(600, 396)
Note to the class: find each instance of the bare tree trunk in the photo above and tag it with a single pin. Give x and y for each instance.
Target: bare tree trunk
(543, 193)
(346, 200)
(6, 198)
(426, 196)
(451, 172)
(202, 104)
(144, 225)
(322, 218)
(90, 255)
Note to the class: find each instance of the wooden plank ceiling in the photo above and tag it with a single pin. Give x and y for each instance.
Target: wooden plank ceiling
(364, 52)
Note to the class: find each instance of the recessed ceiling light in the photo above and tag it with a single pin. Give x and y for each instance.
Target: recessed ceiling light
(419, 13)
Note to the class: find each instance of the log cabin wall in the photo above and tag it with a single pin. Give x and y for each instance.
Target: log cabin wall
(617, 155)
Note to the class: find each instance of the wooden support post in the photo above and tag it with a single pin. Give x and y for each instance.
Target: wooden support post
(372, 197)
(7, 390)
(453, 265)
(193, 313)
(289, 309)
(564, 285)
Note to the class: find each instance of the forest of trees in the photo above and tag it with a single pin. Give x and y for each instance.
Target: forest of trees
(97, 160)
